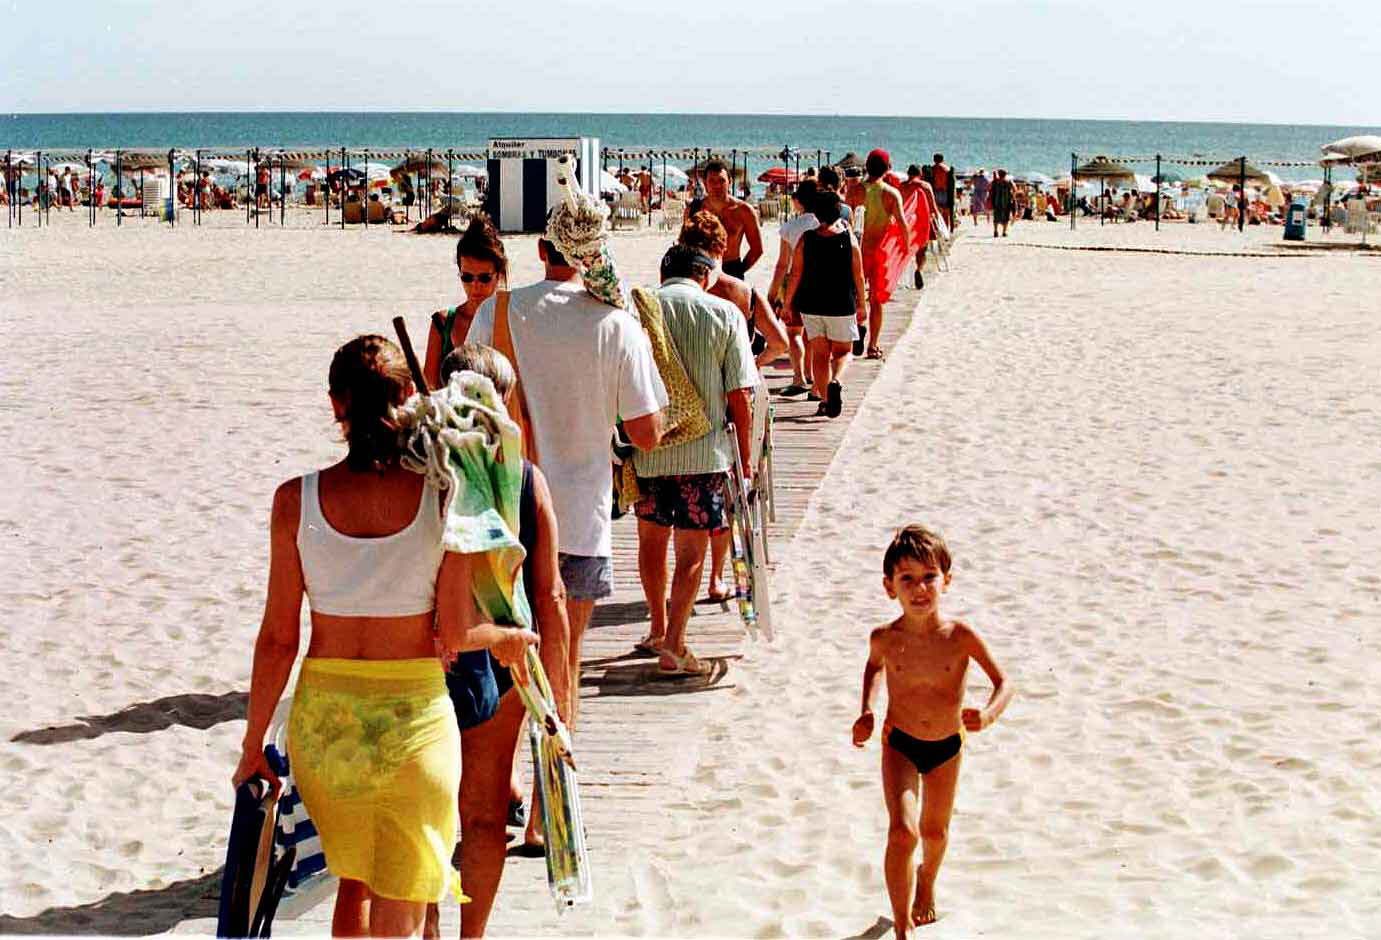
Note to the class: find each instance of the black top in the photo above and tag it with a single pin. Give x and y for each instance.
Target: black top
(827, 275)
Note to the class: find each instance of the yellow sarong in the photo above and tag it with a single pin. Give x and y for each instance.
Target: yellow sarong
(375, 753)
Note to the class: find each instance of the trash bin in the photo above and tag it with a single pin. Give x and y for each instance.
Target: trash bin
(1295, 222)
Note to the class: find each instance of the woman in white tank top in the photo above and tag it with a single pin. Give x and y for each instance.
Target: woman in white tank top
(373, 744)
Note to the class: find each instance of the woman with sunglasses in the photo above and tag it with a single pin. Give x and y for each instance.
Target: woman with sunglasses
(483, 270)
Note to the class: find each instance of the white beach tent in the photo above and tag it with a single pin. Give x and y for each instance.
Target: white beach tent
(673, 175)
(608, 184)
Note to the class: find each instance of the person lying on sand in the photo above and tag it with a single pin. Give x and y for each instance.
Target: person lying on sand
(924, 659)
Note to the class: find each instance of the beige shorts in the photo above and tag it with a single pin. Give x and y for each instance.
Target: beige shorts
(834, 329)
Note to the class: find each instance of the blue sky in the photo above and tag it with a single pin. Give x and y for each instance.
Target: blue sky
(1283, 62)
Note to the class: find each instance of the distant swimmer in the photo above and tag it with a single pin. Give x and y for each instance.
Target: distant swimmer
(924, 659)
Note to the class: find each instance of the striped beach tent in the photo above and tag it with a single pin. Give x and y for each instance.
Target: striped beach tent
(522, 178)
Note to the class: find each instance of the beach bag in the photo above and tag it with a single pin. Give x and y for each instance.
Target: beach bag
(517, 402)
(685, 416)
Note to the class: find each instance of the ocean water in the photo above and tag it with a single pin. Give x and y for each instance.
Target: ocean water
(1020, 145)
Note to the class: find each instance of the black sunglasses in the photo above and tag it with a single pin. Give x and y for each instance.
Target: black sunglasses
(467, 277)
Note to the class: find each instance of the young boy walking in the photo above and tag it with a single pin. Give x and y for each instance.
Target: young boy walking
(924, 658)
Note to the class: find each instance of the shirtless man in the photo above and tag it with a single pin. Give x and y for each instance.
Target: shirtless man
(926, 209)
(738, 218)
(882, 208)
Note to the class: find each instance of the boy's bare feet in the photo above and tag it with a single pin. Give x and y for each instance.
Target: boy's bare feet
(923, 910)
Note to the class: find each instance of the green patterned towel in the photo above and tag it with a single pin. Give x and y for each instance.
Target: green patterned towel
(461, 438)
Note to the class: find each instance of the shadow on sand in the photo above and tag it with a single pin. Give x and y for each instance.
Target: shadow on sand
(192, 710)
(130, 914)
(642, 678)
(877, 931)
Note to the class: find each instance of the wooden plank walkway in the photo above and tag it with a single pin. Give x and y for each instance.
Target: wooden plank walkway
(639, 733)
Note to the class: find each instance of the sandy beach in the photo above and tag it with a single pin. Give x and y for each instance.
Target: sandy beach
(1157, 472)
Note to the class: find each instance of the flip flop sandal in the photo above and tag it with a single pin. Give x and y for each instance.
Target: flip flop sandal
(686, 665)
(862, 338)
(875, 352)
(649, 645)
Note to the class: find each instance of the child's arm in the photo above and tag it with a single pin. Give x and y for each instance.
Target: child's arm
(863, 727)
(977, 719)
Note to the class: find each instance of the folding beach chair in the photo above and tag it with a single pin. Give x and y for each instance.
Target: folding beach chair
(939, 237)
(761, 458)
(273, 846)
(748, 541)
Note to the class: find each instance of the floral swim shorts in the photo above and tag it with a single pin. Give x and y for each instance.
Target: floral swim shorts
(689, 501)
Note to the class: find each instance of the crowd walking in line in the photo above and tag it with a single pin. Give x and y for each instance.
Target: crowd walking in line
(407, 712)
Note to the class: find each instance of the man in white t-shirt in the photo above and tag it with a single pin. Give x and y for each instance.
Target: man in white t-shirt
(583, 365)
(791, 231)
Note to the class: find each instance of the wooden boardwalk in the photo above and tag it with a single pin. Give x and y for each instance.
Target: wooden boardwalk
(639, 733)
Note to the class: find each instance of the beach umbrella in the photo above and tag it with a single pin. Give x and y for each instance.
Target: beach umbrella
(609, 184)
(1104, 169)
(1168, 176)
(466, 171)
(1039, 179)
(674, 174)
(1233, 171)
(350, 176)
(134, 162)
(223, 167)
(1353, 147)
(778, 176)
(312, 173)
(418, 163)
(849, 161)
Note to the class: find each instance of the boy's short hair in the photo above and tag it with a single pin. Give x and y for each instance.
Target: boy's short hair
(919, 544)
(485, 360)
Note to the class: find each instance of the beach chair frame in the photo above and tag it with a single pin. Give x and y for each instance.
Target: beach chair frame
(937, 238)
(748, 545)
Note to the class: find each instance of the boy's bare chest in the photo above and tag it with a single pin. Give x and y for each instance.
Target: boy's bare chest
(924, 664)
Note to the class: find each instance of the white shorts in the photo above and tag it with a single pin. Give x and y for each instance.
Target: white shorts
(835, 329)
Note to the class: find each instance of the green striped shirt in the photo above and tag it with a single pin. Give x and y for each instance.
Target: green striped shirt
(711, 337)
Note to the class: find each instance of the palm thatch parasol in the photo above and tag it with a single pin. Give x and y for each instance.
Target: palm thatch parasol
(1103, 168)
(418, 163)
(1234, 171)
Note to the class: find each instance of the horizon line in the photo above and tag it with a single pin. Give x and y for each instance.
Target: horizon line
(720, 114)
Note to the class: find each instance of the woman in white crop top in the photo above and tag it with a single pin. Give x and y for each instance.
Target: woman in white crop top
(373, 744)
